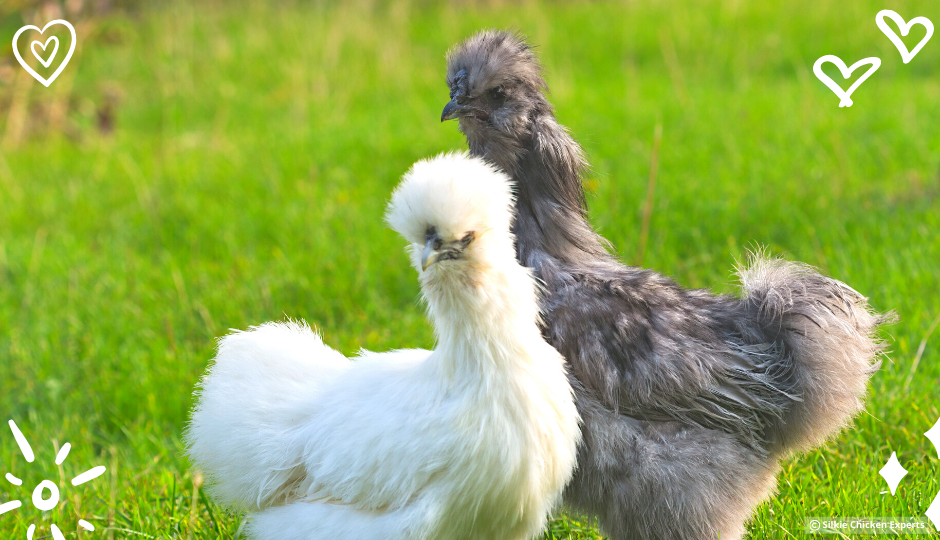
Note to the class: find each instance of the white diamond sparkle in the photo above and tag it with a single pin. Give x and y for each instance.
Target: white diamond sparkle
(934, 435)
(933, 512)
(893, 472)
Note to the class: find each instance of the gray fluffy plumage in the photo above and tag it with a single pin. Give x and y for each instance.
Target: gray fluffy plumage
(688, 399)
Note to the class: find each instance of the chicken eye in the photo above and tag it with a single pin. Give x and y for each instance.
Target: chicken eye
(465, 241)
(497, 94)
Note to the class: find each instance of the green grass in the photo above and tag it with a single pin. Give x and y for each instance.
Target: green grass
(255, 148)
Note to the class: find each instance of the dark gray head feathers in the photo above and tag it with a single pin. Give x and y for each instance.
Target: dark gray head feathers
(498, 94)
(490, 59)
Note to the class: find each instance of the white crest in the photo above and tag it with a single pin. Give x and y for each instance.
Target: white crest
(453, 192)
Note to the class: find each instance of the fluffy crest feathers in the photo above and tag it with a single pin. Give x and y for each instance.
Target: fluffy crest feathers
(490, 58)
(455, 194)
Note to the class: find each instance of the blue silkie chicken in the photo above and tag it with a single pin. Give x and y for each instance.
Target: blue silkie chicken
(689, 399)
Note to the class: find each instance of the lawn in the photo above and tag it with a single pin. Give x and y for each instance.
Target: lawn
(204, 167)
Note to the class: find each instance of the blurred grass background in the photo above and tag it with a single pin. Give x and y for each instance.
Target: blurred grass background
(205, 166)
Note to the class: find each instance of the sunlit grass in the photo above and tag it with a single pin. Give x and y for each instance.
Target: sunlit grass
(253, 153)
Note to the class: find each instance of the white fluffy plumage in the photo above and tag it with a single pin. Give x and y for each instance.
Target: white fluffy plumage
(473, 440)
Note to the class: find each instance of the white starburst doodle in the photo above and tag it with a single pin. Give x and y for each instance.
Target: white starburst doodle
(41, 502)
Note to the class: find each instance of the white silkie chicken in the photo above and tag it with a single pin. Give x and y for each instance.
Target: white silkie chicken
(473, 440)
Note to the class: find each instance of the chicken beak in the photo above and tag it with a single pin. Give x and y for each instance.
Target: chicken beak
(430, 255)
(451, 110)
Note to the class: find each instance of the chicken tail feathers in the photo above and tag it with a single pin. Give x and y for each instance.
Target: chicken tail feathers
(262, 384)
(829, 333)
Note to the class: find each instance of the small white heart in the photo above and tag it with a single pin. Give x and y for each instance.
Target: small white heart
(905, 28)
(844, 95)
(55, 49)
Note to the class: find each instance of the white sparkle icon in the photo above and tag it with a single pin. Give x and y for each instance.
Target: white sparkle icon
(933, 512)
(893, 472)
(934, 435)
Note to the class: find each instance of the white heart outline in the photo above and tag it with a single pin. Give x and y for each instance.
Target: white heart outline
(38, 77)
(45, 63)
(845, 100)
(905, 28)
